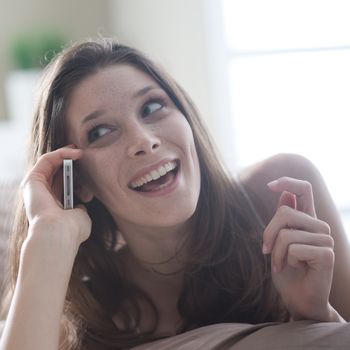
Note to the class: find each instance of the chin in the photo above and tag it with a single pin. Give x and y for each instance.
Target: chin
(161, 219)
(173, 219)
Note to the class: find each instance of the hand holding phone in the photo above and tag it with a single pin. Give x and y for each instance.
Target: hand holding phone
(68, 184)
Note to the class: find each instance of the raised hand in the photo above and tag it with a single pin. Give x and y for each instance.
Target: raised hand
(42, 190)
(301, 247)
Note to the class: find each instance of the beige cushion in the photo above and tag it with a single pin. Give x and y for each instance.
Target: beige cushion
(301, 335)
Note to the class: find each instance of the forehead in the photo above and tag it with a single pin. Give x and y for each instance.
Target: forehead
(119, 79)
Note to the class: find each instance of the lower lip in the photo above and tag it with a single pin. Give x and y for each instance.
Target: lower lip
(165, 190)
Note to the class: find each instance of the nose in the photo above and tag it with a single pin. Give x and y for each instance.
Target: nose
(142, 141)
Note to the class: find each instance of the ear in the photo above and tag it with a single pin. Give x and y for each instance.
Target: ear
(83, 193)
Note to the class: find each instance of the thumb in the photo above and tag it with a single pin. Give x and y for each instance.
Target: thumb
(288, 199)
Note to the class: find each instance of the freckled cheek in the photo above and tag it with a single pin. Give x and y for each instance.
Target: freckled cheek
(182, 136)
(178, 131)
(188, 141)
(186, 137)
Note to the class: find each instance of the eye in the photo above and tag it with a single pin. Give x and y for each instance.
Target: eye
(97, 132)
(151, 107)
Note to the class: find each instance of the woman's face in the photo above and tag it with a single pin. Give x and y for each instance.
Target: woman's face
(139, 154)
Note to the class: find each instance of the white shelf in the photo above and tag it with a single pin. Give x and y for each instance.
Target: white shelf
(13, 151)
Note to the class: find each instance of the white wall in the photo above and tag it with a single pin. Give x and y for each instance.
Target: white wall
(171, 33)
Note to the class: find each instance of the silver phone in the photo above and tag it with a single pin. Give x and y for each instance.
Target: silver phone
(68, 184)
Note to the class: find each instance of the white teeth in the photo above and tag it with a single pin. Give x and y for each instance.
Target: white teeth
(154, 174)
(162, 171)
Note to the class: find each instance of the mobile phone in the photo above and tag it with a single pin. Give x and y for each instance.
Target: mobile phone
(68, 184)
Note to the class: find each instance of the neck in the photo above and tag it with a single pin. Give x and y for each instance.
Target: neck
(155, 252)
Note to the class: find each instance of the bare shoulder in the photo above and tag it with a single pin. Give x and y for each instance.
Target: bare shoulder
(283, 164)
(255, 178)
(276, 165)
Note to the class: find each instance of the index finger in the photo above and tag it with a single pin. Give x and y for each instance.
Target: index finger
(300, 188)
(48, 163)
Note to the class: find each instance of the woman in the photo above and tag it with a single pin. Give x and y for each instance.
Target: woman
(162, 239)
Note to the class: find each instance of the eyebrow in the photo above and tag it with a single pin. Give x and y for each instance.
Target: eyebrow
(93, 115)
(144, 91)
(99, 112)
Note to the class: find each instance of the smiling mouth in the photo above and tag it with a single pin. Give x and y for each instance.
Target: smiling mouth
(157, 179)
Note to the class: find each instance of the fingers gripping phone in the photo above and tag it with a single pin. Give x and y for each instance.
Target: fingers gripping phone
(68, 184)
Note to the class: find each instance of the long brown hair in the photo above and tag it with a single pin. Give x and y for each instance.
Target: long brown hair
(227, 278)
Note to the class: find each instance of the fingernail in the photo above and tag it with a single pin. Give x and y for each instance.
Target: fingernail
(274, 268)
(272, 183)
(76, 150)
(265, 249)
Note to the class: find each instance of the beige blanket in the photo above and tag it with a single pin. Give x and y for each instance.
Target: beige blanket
(268, 336)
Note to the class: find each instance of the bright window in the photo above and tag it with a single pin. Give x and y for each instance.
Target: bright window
(289, 76)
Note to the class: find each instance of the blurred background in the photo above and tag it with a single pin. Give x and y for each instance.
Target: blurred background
(268, 76)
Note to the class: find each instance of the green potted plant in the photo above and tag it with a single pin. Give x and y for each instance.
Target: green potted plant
(30, 53)
(34, 51)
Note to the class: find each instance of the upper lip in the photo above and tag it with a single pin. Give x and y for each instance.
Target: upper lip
(144, 171)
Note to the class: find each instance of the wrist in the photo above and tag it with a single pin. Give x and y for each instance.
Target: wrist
(48, 251)
(52, 233)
